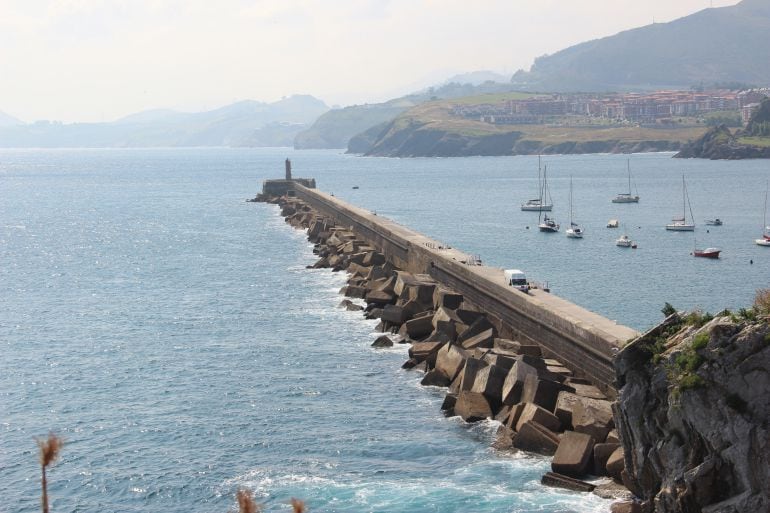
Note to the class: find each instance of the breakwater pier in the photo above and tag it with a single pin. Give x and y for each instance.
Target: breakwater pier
(585, 341)
(540, 365)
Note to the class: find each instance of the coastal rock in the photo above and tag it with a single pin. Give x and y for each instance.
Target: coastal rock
(382, 341)
(693, 418)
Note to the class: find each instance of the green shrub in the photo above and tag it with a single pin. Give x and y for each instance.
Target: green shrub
(668, 309)
(690, 381)
(689, 361)
(700, 341)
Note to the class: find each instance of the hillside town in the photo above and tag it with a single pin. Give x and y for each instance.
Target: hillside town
(643, 108)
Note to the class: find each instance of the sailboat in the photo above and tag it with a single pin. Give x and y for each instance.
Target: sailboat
(541, 203)
(680, 224)
(574, 231)
(627, 197)
(765, 240)
(705, 253)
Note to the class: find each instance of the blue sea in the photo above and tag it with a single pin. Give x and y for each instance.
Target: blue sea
(170, 332)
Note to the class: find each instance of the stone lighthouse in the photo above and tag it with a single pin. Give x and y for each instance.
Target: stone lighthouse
(288, 169)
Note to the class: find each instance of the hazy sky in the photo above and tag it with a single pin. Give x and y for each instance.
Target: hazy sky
(94, 60)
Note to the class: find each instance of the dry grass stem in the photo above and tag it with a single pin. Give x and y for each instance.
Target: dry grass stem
(246, 503)
(49, 449)
(762, 301)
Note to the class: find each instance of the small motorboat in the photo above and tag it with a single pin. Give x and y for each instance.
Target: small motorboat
(613, 223)
(762, 242)
(624, 242)
(707, 253)
(714, 222)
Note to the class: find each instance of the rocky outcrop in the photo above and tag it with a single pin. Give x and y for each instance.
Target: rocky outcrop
(719, 143)
(693, 414)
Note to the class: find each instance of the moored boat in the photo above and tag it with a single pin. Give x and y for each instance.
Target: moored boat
(765, 240)
(714, 222)
(542, 203)
(575, 231)
(707, 253)
(624, 241)
(627, 197)
(680, 224)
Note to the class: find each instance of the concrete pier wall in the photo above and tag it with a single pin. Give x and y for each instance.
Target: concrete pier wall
(585, 341)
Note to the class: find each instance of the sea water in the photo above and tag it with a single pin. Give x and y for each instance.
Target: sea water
(170, 332)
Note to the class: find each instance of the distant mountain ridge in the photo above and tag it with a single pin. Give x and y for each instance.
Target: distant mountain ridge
(338, 127)
(712, 45)
(245, 123)
(8, 120)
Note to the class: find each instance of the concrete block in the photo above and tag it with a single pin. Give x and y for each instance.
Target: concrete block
(435, 378)
(425, 351)
(541, 392)
(574, 455)
(419, 326)
(479, 326)
(602, 453)
(472, 407)
(450, 360)
(593, 417)
(568, 483)
(483, 339)
(380, 298)
(514, 382)
(446, 298)
(534, 437)
(616, 464)
(489, 381)
(469, 372)
(533, 412)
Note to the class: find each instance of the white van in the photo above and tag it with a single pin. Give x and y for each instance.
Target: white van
(516, 278)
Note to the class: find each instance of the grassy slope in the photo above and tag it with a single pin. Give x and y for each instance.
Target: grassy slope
(762, 142)
(437, 115)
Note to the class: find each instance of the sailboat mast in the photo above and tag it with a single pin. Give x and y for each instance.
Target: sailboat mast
(570, 200)
(684, 206)
(628, 166)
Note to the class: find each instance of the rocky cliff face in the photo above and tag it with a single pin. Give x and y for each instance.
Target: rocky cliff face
(693, 414)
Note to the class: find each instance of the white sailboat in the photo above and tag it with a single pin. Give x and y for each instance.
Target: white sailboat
(543, 202)
(680, 224)
(575, 231)
(627, 197)
(765, 240)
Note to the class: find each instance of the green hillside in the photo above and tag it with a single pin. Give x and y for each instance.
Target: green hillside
(713, 45)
